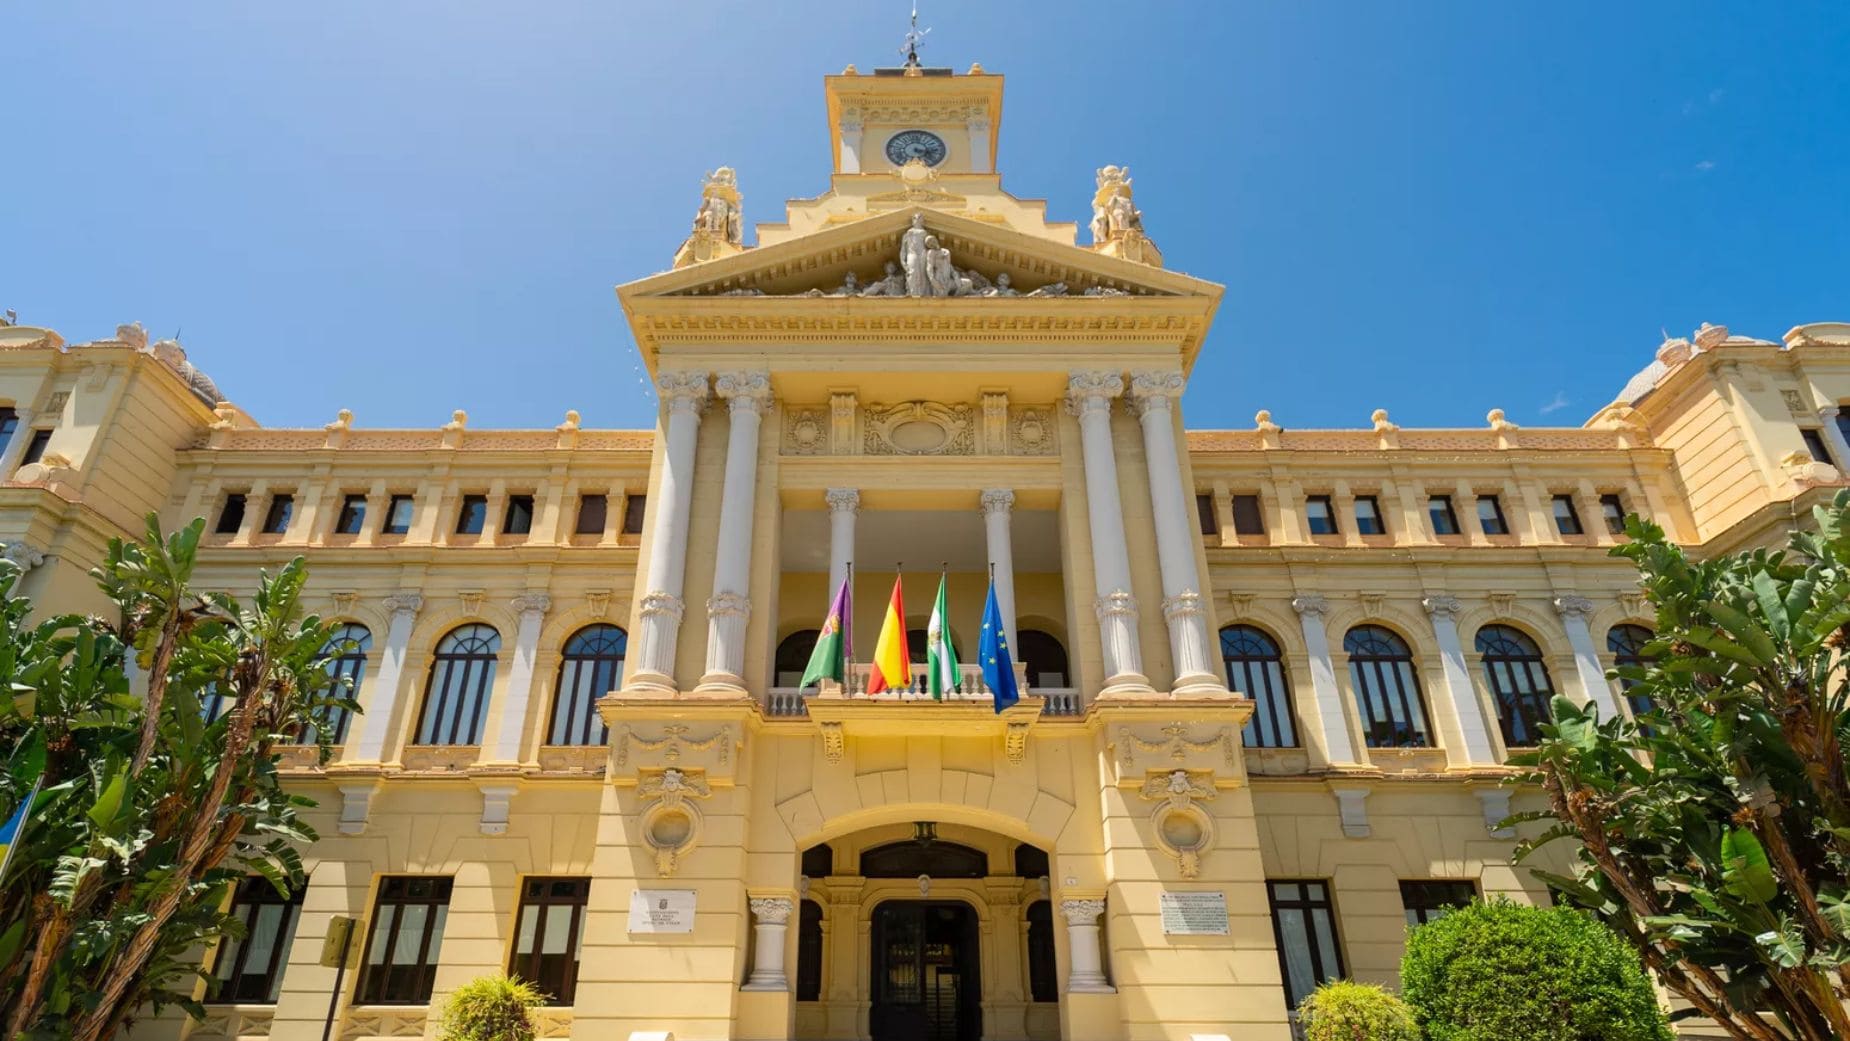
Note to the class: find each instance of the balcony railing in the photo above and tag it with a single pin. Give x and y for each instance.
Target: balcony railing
(789, 701)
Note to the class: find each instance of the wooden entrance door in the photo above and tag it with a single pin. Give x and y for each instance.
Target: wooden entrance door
(926, 985)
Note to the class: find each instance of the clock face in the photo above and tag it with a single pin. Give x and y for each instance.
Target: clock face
(915, 144)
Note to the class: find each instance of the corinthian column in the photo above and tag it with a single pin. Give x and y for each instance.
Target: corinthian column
(684, 394)
(377, 720)
(844, 504)
(1472, 726)
(748, 394)
(772, 915)
(1338, 748)
(532, 608)
(1574, 611)
(1089, 397)
(1087, 974)
(998, 508)
(1151, 398)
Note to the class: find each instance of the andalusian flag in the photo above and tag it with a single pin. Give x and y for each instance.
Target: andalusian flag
(940, 655)
(892, 662)
(829, 661)
(9, 832)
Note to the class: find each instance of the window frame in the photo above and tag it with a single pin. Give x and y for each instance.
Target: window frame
(1612, 512)
(811, 963)
(1514, 704)
(279, 514)
(471, 514)
(1205, 513)
(635, 513)
(543, 904)
(351, 520)
(375, 984)
(1428, 899)
(445, 701)
(1328, 505)
(1245, 523)
(254, 893)
(1261, 677)
(1569, 519)
(231, 513)
(602, 514)
(388, 523)
(1815, 444)
(35, 448)
(1043, 974)
(1438, 506)
(572, 685)
(1496, 510)
(1376, 519)
(1402, 669)
(1626, 649)
(1309, 906)
(517, 515)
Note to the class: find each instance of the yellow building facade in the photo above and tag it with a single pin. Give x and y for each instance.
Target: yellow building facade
(1269, 677)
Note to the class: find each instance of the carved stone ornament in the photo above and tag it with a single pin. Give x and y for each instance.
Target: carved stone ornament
(1115, 604)
(1031, 432)
(746, 391)
(1186, 604)
(1373, 604)
(998, 500)
(1174, 749)
(843, 500)
(1015, 742)
(1443, 607)
(833, 744)
(1154, 390)
(920, 428)
(721, 214)
(682, 391)
(660, 603)
(1117, 223)
(1183, 830)
(1502, 604)
(1082, 912)
(772, 910)
(674, 744)
(538, 603)
(23, 556)
(806, 432)
(1573, 607)
(1314, 606)
(1089, 392)
(727, 605)
(671, 824)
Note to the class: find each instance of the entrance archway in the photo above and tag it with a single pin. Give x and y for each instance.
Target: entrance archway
(926, 982)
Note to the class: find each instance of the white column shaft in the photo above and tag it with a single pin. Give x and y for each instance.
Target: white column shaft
(1176, 530)
(1338, 746)
(1587, 664)
(1116, 606)
(1472, 724)
(730, 605)
(844, 504)
(520, 678)
(1087, 972)
(662, 606)
(377, 718)
(772, 918)
(998, 515)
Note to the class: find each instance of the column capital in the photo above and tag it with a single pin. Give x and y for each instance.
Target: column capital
(22, 555)
(843, 500)
(1116, 604)
(1825, 412)
(660, 603)
(1446, 607)
(1082, 912)
(683, 391)
(998, 500)
(747, 391)
(1091, 391)
(772, 910)
(1314, 605)
(1573, 607)
(403, 603)
(1186, 604)
(1154, 389)
(535, 603)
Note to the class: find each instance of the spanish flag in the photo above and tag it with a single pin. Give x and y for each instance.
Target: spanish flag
(892, 662)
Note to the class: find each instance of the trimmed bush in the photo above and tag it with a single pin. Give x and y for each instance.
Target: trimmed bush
(490, 1008)
(1507, 972)
(1346, 1011)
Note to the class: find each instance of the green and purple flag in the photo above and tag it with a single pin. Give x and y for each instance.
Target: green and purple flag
(829, 661)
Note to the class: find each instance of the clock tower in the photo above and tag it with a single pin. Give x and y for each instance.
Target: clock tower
(947, 122)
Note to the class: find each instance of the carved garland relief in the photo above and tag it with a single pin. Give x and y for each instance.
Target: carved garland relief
(921, 428)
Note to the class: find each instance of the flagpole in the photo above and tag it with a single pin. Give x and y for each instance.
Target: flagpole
(847, 622)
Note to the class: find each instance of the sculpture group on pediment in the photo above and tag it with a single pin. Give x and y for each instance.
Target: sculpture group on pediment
(720, 213)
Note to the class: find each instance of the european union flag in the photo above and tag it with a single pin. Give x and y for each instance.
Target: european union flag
(992, 649)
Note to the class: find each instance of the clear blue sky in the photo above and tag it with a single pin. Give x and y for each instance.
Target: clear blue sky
(409, 207)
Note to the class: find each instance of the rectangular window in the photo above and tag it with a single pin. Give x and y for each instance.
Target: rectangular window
(1303, 923)
(1426, 901)
(35, 448)
(1368, 516)
(593, 514)
(1444, 521)
(549, 934)
(1320, 515)
(9, 424)
(1204, 508)
(250, 971)
(1814, 443)
(231, 515)
(1843, 422)
(809, 949)
(397, 515)
(519, 517)
(352, 515)
(1567, 519)
(400, 964)
(1490, 516)
(1612, 511)
(1247, 520)
(276, 520)
(473, 515)
(635, 507)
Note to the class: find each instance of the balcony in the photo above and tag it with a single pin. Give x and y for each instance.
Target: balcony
(792, 702)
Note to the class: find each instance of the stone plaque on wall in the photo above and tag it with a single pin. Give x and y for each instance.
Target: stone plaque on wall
(1194, 914)
(662, 911)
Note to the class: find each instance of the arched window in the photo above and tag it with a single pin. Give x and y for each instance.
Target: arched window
(793, 657)
(1387, 690)
(809, 951)
(461, 676)
(591, 668)
(937, 858)
(1255, 669)
(347, 649)
(1627, 643)
(1042, 977)
(1045, 658)
(1519, 683)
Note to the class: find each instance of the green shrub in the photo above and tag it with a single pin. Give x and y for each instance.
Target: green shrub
(1506, 972)
(491, 1008)
(1346, 1011)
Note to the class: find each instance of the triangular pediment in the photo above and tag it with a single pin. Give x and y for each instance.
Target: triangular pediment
(819, 266)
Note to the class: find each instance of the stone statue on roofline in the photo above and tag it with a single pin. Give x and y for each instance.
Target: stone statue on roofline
(719, 223)
(1117, 223)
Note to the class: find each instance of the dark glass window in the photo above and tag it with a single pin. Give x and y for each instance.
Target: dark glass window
(819, 860)
(1612, 511)
(9, 424)
(1320, 514)
(1043, 978)
(1045, 659)
(1843, 422)
(1304, 926)
(1247, 518)
(1031, 862)
(461, 676)
(1204, 508)
(276, 520)
(250, 971)
(593, 514)
(809, 951)
(472, 515)
(591, 668)
(352, 515)
(1490, 516)
(1444, 520)
(792, 657)
(1627, 643)
(910, 859)
(1567, 518)
(1368, 516)
(35, 448)
(518, 520)
(1519, 683)
(549, 934)
(398, 515)
(1429, 900)
(406, 937)
(231, 515)
(349, 646)
(1387, 689)
(1814, 443)
(635, 507)
(1256, 669)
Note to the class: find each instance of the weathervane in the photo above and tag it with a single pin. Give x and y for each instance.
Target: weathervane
(911, 47)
